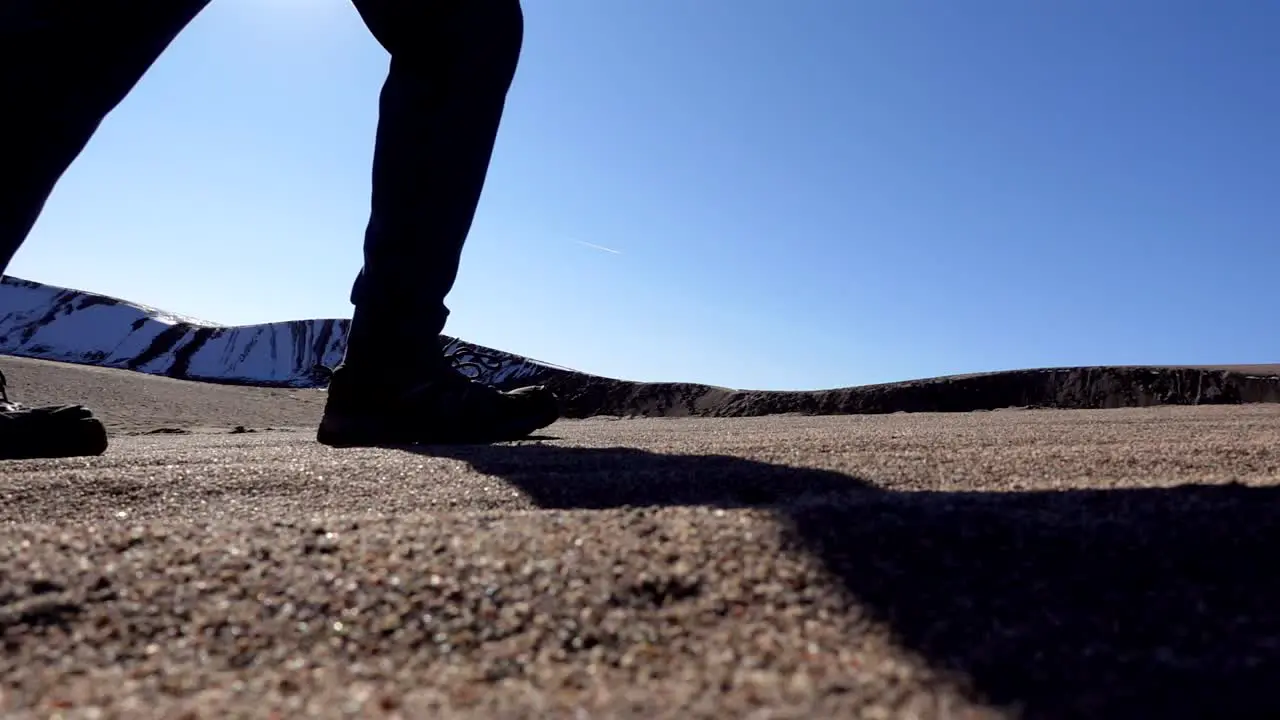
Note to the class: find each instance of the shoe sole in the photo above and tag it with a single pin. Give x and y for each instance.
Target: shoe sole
(82, 437)
(339, 432)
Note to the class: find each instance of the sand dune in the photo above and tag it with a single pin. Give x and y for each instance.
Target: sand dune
(53, 323)
(69, 325)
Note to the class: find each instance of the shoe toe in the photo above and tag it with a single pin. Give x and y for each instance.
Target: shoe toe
(539, 397)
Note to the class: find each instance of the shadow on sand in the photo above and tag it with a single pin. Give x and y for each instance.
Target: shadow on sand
(1110, 603)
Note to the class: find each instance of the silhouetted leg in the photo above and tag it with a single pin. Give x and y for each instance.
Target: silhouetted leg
(63, 66)
(452, 62)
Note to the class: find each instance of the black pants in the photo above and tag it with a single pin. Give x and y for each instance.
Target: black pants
(65, 64)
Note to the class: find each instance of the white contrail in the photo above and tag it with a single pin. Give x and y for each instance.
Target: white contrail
(601, 248)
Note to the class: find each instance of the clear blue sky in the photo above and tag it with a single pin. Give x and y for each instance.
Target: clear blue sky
(801, 194)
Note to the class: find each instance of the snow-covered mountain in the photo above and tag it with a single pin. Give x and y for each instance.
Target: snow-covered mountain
(55, 323)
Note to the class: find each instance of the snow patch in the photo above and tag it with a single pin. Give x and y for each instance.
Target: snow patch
(68, 325)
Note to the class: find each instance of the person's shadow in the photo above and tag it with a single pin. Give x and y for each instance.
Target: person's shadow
(1152, 603)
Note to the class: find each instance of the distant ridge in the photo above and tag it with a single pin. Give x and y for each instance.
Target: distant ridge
(56, 323)
(62, 324)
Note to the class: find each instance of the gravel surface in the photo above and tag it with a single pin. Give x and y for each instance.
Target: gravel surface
(131, 402)
(1017, 563)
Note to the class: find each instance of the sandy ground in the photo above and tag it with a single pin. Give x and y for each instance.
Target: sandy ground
(1017, 563)
(131, 403)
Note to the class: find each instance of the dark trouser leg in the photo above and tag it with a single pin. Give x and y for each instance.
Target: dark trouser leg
(452, 62)
(63, 67)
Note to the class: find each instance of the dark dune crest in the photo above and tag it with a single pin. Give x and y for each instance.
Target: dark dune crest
(53, 323)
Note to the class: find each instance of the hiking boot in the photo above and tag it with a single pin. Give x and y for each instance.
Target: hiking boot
(446, 408)
(49, 431)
